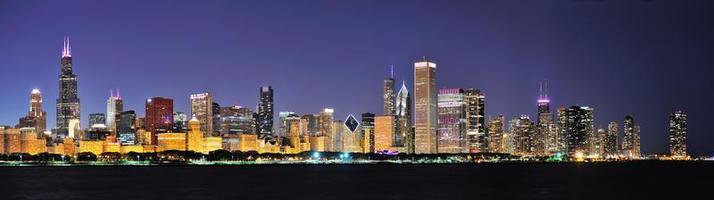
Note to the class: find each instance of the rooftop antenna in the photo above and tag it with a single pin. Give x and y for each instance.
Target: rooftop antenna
(391, 71)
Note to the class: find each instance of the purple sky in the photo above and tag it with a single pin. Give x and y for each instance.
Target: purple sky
(644, 58)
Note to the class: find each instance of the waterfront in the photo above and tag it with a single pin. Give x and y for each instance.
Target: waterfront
(613, 180)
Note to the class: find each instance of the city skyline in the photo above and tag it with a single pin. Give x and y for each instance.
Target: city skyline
(92, 66)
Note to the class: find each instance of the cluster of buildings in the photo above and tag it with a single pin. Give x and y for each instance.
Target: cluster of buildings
(446, 120)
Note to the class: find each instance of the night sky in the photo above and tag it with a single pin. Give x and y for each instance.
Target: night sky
(644, 58)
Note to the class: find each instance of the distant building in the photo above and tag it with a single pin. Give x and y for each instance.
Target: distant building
(202, 109)
(368, 132)
(629, 142)
(495, 131)
(265, 112)
(159, 116)
(127, 127)
(36, 117)
(425, 107)
(115, 105)
(237, 120)
(611, 138)
(180, 122)
(383, 132)
(477, 136)
(578, 128)
(404, 136)
(524, 136)
(97, 120)
(451, 121)
(546, 136)
(388, 92)
(68, 101)
(216, 110)
(326, 118)
(678, 134)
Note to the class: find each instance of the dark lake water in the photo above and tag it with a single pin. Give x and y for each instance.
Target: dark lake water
(631, 180)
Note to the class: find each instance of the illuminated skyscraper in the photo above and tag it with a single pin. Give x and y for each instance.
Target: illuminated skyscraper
(68, 101)
(597, 146)
(495, 131)
(389, 93)
(36, 117)
(678, 134)
(636, 142)
(547, 137)
(384, 132)
(115, 105)
(476, 133)
(425, 107)
(404, 136)
(236, 120)
(312, 123)
(611, 140)
(524, 135)
(202, 109)
(368, 132)
(326, 118)
(578, 129)
(159, 116)
(628, 141)
(265, 112)
(451, 121)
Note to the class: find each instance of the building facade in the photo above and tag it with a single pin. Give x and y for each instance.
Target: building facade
(451, 121)
(477, 136)
(265, 112)
(425, 107)
(678, 134)
(202, 109)
(159, 116)
(68, 101)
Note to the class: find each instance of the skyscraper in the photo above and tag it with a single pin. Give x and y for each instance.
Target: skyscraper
(115, 105)
(578, 128)
(368, 132)
(202, 109)
(495, 131)
(389, 93)
(283, 123)
(611, 140)
(476, 133)
(524, 135)
(68, 101)
(159, 116)
(547, 138)
(265, 112)
(403, 108)
(628, 141)
(127, 127)
(451, 121)
(36, 117)
(425, 107)
(216, 110)
(678, 134)
(326, 118)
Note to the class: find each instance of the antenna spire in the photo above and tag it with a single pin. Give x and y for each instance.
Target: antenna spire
(391, 71)
(66, 48)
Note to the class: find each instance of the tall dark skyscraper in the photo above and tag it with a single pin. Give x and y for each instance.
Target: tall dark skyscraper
(389, 93)
(546, 136)
(68, 101)
(216, 118)
(159, 116)
(678, 134)
(265, 112)
(578, 128)
(127, 127)
(611, 140)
